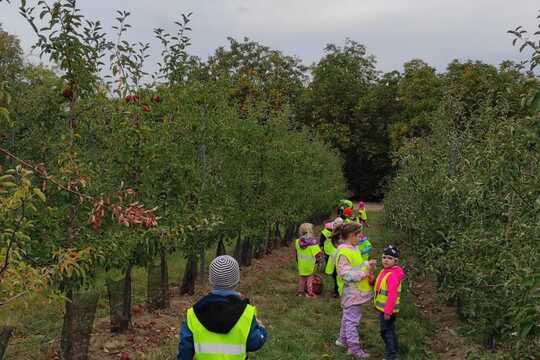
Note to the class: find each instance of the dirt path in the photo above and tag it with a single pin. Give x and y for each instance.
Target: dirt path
(374, 207)
(153, 329)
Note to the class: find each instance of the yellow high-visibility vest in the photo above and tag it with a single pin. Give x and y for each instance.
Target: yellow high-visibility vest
(330, 250)
(214, 346)
(381, 295)
(306, 258)
(358, 264)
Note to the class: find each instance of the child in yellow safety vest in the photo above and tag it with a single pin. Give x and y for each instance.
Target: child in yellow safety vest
(353, 274)
(361, 214)
(329, 243)
(308, 256)
(388, 299)
(222, 324)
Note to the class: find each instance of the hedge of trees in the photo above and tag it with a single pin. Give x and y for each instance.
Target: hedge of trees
(99, 174)
(468, 196)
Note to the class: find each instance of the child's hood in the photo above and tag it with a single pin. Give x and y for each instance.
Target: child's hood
(219, 314)
(397, 276)
(398, 272)
(306, 241)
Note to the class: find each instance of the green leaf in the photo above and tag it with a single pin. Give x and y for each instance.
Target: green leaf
(22, 236)
(535, 104)
(6, 178)
(39, 194)
(4, 114)
(527, 329)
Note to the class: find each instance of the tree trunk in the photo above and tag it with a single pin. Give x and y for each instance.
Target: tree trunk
(289, 234)
(202, 265)
(238, 248)
(294, 232)
(158, 282)
(276, 238)
(247, 253)
(5, 335)
(268, 241)
(260, 249)
(490, 342)
(127, 297)
(119, 294)
(282, 237)
(460, 308)
(164, 278)
(221, 247)
(190, 274)
(78, 325)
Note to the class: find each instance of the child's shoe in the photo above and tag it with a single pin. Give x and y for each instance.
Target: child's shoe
(358, 353)
(341, 343)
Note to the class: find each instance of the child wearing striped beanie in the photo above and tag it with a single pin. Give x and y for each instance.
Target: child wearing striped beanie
(222, 323)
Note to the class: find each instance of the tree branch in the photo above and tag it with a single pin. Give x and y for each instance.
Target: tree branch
(5, 302)
(6, 260)
(39, 172)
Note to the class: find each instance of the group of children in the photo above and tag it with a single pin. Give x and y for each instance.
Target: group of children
(223, 324)
(345, 249)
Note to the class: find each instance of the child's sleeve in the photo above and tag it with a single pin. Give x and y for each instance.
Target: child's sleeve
(186, 349)
(257, 336)
(393, 284)
(346, 271)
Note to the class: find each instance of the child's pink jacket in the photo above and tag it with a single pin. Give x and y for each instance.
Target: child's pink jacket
(396, 277)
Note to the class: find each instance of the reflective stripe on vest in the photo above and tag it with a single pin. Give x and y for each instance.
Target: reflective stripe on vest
(220, 349)
(213, 346)
(306, 258)
(330, 250)
(382, 294)
(357, 263)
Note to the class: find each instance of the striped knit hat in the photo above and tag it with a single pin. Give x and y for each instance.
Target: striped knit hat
(224, 273)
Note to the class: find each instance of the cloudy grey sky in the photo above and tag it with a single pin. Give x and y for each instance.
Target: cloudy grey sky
(393, 30)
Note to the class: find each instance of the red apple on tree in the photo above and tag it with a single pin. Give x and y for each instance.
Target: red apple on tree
(132, 99)
(68, 93)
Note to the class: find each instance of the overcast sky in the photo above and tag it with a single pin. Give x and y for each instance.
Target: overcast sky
(395, 31)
